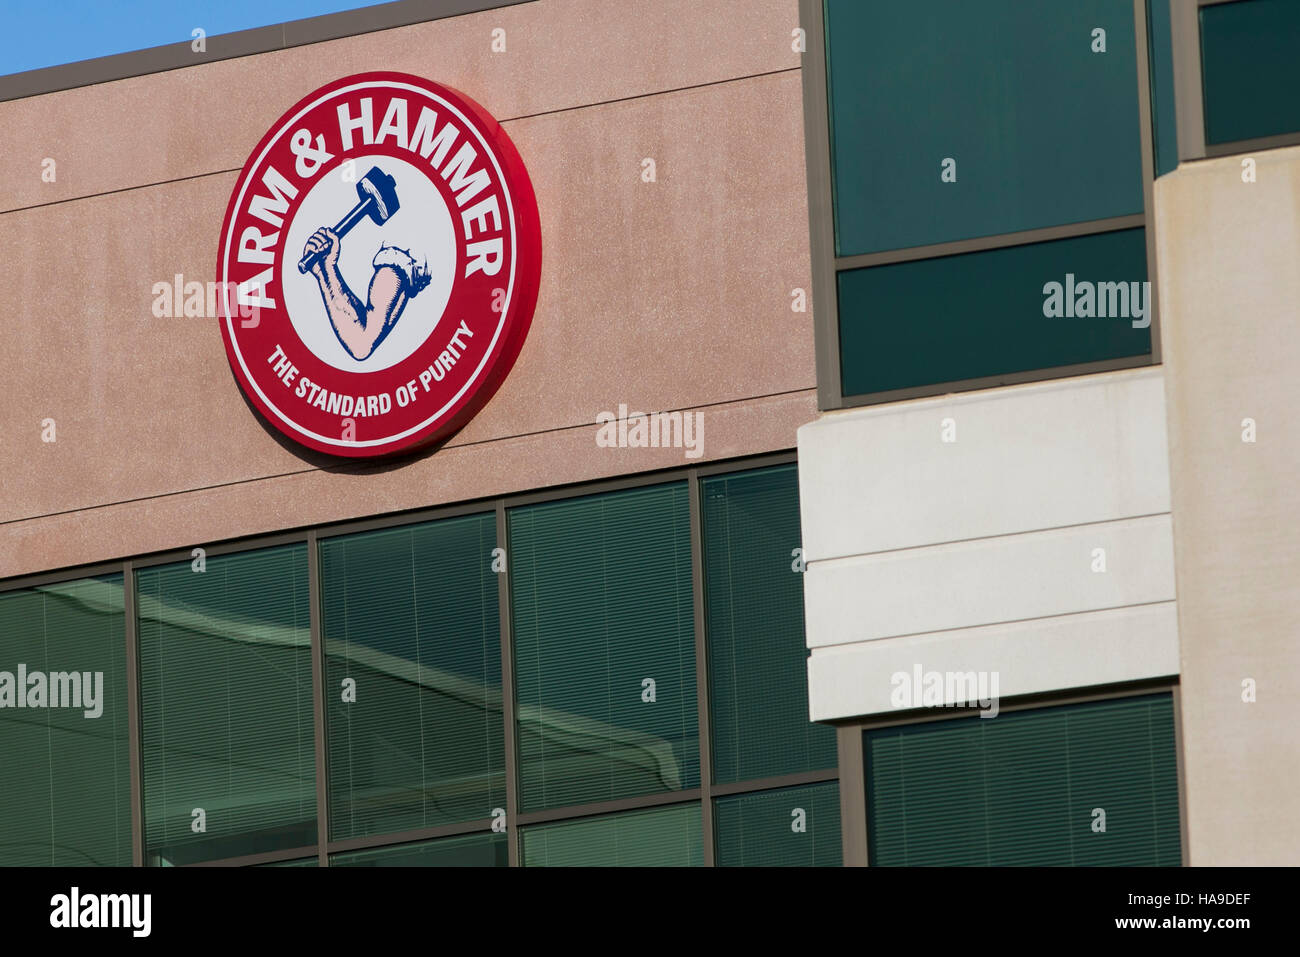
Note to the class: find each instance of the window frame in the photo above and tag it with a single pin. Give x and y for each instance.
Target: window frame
(826, 265)
(135, 677)
(1189, 90)
(854, 807)
(703, 795)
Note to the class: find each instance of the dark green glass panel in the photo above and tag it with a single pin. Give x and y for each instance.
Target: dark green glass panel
(602, 605)
(65, 799)
(754, 609)
(225, 684)
(1164, 125)
(1024, 788)
(470, 850)
(1250, 67)
(759, 830)
(298, 862)
(410, 617)
(982, 314)
(1043, 130)
(657, 837)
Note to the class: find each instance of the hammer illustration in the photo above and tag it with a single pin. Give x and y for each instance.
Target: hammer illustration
(378, 194)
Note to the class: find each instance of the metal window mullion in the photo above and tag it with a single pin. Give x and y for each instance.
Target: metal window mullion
(1148, 170)
(600, 486)
(59, 576)
(639, 802)
(1044, 375)
(134, 714)
(318, 699)
(750, 463)
(508, 690)
(850, 754)
(780, 782)
(1189, 92)
(397, 520)
(395, 839)
(1027, 702)
(975, 244)
(1253, 145)
(701, 670)
(253, 860)
(403, 519)
(1180, 771)
(232, 546)
(821, 213)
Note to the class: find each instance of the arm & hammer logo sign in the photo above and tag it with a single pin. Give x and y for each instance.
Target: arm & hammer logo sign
(379, 261)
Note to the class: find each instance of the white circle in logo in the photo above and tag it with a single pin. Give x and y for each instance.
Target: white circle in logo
(422, 227)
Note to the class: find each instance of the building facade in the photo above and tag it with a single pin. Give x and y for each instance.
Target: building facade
(1055, 259)
(897, 469)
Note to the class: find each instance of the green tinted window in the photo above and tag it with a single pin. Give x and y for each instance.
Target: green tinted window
(470, 850)
(296, 862)
(658, 837)
(792, 827)
(994, 312)
(754, 609)
(604, 646)
(1025, 788)
(1250, 64)
(1042, 130)
(413, 642)
(225, 679)
(65, 798)
(1163, 118)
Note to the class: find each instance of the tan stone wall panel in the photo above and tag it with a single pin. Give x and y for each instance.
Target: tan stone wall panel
(668, 294)
(315, 496)
(560, 54)
(659, 295)
(1229, 271)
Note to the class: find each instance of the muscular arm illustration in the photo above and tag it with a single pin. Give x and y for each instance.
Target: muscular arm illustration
(362, 326)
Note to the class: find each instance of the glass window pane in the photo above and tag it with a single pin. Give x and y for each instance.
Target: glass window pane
(413, 659)
(754, 603)
(296, 862)
(225, 682)
(792, 827)
(469, 850)
(1164, 125)
(604, 646)
(995, 312)
(1042, 130)
(1250, 63)
(1025, 788)
(657, 837)
(66, 794)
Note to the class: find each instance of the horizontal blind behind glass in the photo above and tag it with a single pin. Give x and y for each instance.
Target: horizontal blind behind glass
(1021, 788)
(754, 609)
(411, 621)
(602, 604)
(66, 794)
(226, 692)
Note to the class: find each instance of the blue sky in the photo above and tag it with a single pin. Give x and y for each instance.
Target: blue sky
(40, 33)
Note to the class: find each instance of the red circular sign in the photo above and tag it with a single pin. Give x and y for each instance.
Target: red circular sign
(379, 265)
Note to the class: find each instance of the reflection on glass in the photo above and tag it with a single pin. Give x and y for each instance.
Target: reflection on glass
(604, 646)
(65, 798)
(413, 659)
(226, 693)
